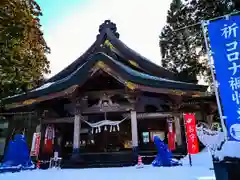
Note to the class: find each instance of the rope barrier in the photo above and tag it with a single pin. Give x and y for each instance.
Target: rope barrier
(105, 123)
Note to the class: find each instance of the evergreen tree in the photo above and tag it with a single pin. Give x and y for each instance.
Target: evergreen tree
(22, 46)
(181, 40)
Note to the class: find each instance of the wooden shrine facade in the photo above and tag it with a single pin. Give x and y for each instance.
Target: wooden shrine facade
(108, 100)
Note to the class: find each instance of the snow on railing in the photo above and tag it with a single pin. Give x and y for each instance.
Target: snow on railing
(212, 139)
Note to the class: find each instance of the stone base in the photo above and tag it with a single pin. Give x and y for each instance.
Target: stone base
(75, 155)
(94, 160)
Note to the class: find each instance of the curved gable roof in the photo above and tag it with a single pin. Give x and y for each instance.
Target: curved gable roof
(108, 31)
(81, 74)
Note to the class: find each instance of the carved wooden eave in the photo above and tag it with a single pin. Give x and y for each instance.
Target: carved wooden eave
(105, 104)
(99, 94)
(196, 106)
(114, 108)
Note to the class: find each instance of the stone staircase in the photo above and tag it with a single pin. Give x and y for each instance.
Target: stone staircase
(98, 160)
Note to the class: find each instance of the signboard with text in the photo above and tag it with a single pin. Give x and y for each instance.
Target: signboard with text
(224, 38)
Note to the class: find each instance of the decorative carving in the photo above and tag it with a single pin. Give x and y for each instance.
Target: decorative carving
(132, 62)
(109, 25)
(80, 103)
(175, 107)
(29, 101)
(105, 103)
(131, 99)
(107, 43)
(178, 92)
(130, 85)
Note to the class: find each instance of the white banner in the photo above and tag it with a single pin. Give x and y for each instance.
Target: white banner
(35, 144)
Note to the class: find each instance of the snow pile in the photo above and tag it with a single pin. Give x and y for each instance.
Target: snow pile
(229, 149)
(203, 159)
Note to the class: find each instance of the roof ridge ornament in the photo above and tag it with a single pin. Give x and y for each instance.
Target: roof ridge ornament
(108, 24)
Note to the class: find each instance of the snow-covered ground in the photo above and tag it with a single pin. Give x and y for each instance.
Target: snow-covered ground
(199, 171)
(202, 159)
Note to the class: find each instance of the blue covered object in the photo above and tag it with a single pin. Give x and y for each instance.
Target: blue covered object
(164, 156)
(17, 156)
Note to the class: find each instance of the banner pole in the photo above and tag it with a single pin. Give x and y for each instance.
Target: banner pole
(214, 81)
(190, 159)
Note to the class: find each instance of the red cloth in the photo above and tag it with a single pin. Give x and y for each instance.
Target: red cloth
(171, 141)
(49, 139)
(171, 136)
(48, 146)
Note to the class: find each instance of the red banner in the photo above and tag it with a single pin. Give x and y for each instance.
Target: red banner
(171, 136)
(191, 133)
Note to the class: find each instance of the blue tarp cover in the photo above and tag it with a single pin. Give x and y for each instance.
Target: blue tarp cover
(164, 155)
(17, 156)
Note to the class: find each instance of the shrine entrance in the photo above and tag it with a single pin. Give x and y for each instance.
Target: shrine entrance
(63, 142)
(105, 134)
(112, 136)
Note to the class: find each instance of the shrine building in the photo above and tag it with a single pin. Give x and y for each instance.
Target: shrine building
(106, 106)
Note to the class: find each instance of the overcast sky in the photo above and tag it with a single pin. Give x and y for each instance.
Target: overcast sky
(71, 26)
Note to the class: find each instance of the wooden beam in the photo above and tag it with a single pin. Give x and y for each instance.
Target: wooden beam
(140, 116)
(170, 91)
(98, 94)
(97, 110)
(58, 120)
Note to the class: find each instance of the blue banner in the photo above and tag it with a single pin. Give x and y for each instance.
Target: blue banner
(224, 38)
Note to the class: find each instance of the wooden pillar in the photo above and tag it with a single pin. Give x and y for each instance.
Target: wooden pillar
(134, 135)
(76, 133)
(134, 129)
(178, 130)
